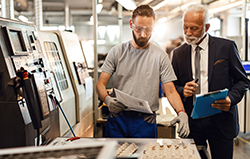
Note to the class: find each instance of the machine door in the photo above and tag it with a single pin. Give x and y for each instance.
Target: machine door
(78, 70)
(65, 94)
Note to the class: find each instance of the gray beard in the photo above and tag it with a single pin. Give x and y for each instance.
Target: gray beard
(195, 40)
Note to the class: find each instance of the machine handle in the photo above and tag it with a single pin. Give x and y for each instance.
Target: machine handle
(57, 86)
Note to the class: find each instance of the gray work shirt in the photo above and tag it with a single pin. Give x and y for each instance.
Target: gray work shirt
(139, 71)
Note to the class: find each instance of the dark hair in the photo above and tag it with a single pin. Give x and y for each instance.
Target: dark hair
(143, 10)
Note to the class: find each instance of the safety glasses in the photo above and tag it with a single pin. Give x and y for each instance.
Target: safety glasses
(140, 29)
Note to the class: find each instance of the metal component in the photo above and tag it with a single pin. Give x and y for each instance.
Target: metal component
(61, 99)
(120, 21)
(96, 110)
(38, 14)
(66, 13)
(7, 9)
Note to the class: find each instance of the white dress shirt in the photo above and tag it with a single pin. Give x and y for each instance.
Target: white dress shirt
(203, 64)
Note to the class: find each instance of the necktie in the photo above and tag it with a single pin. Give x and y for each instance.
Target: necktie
(197, 66)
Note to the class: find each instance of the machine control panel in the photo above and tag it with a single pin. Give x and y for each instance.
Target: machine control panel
(24, 88)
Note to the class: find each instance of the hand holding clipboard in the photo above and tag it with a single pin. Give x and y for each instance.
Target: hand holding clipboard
(202, 106)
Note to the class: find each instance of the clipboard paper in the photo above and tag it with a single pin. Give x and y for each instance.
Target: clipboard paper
(202, 105)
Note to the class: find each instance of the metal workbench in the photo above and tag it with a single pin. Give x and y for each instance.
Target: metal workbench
(140, 142)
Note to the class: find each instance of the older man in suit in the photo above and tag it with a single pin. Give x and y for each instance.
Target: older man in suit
(218, 67)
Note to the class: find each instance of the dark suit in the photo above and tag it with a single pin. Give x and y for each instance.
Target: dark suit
(224, 71)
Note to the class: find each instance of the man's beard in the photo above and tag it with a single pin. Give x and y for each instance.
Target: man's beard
(192, 40)
(141, 41)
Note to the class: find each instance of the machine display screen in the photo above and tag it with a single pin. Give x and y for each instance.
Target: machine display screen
(15, 37)
(16, 40)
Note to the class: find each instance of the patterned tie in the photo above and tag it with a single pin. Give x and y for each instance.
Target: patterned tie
(197, 67)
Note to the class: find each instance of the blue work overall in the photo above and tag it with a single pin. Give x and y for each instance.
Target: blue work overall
(131, 124)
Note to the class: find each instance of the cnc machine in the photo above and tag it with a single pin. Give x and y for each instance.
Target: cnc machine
(28, 116)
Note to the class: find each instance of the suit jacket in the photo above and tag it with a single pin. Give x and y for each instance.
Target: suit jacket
(225, 70)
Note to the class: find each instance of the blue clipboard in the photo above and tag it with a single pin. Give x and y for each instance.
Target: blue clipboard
(202, 105)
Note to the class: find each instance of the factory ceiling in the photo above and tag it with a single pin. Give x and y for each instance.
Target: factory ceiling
(81, 10)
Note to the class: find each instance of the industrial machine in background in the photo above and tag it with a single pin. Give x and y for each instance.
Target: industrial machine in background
(88, 52)
(66, 48)
(65, 95)
(243, 105)
(28, 116)
(244, 109)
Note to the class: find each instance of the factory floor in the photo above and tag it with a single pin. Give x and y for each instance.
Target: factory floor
(242, 146)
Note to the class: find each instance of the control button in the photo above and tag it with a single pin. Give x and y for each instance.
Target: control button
(46, 81)
(32, 39)
(40, 69)
(33, 48)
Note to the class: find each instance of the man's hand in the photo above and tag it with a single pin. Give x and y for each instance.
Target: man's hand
(189, 89)
(183, 128)
(113, 105)
(223, 104)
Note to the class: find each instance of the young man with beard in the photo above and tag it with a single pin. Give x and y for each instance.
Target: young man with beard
(219, 67)
(139, 65)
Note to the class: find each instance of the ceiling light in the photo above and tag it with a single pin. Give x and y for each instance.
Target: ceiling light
(146, 2)
(162, 20)
(99, 8)
(183, 7)
(225, 7)
(159, 5)
(23, 18)
(128, 4)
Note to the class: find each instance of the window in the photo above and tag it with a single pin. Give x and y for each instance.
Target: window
(55, 63)
(215, 27)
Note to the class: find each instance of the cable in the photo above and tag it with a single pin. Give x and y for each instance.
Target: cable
(58, 103)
